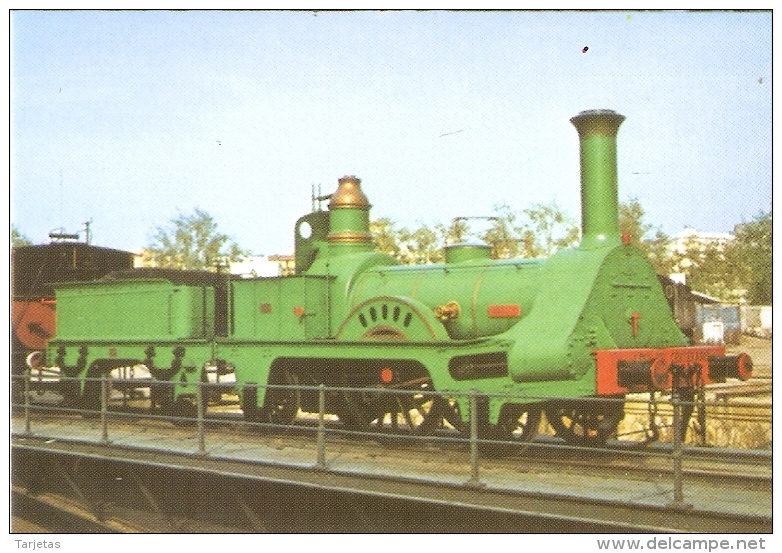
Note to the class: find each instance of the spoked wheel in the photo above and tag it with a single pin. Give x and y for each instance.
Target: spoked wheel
(519, 423)
(399, 411)
(585, 423)
(443, 416)
(382, 411)
(516, 423)
(282, 404)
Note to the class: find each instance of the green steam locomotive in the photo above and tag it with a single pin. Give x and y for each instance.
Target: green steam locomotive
(530, 335)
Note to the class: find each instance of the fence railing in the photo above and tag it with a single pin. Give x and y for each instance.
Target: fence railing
(120, 396)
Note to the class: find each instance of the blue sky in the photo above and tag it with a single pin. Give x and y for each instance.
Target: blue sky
(129, 118)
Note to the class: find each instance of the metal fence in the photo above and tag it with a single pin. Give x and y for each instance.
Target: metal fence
(118, 395)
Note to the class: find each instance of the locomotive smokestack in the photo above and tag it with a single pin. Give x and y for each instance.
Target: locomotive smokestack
(599, 202)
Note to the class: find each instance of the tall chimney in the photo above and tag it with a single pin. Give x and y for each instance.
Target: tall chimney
(599, 202)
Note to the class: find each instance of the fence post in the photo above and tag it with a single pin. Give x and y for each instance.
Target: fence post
(678, 492)
(200, 410)
(321, 463)
(104, 408)
(27, 376)
(701, 406)
(474, 476)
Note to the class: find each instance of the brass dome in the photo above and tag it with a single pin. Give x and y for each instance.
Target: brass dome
(349, 195)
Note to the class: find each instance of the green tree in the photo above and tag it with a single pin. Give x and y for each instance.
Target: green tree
(538, 231)
(712, 269)
(734, 270)
(509, 236)
(385, 236)
(413, 247)
(753, 251)
(457, 232)
(652, 241)
(19, 239)
(420, 247)
(192, 242)
(552, 228)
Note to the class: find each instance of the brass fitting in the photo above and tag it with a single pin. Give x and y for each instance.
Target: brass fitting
(349, 217)
(448, 312)
(349, 195)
